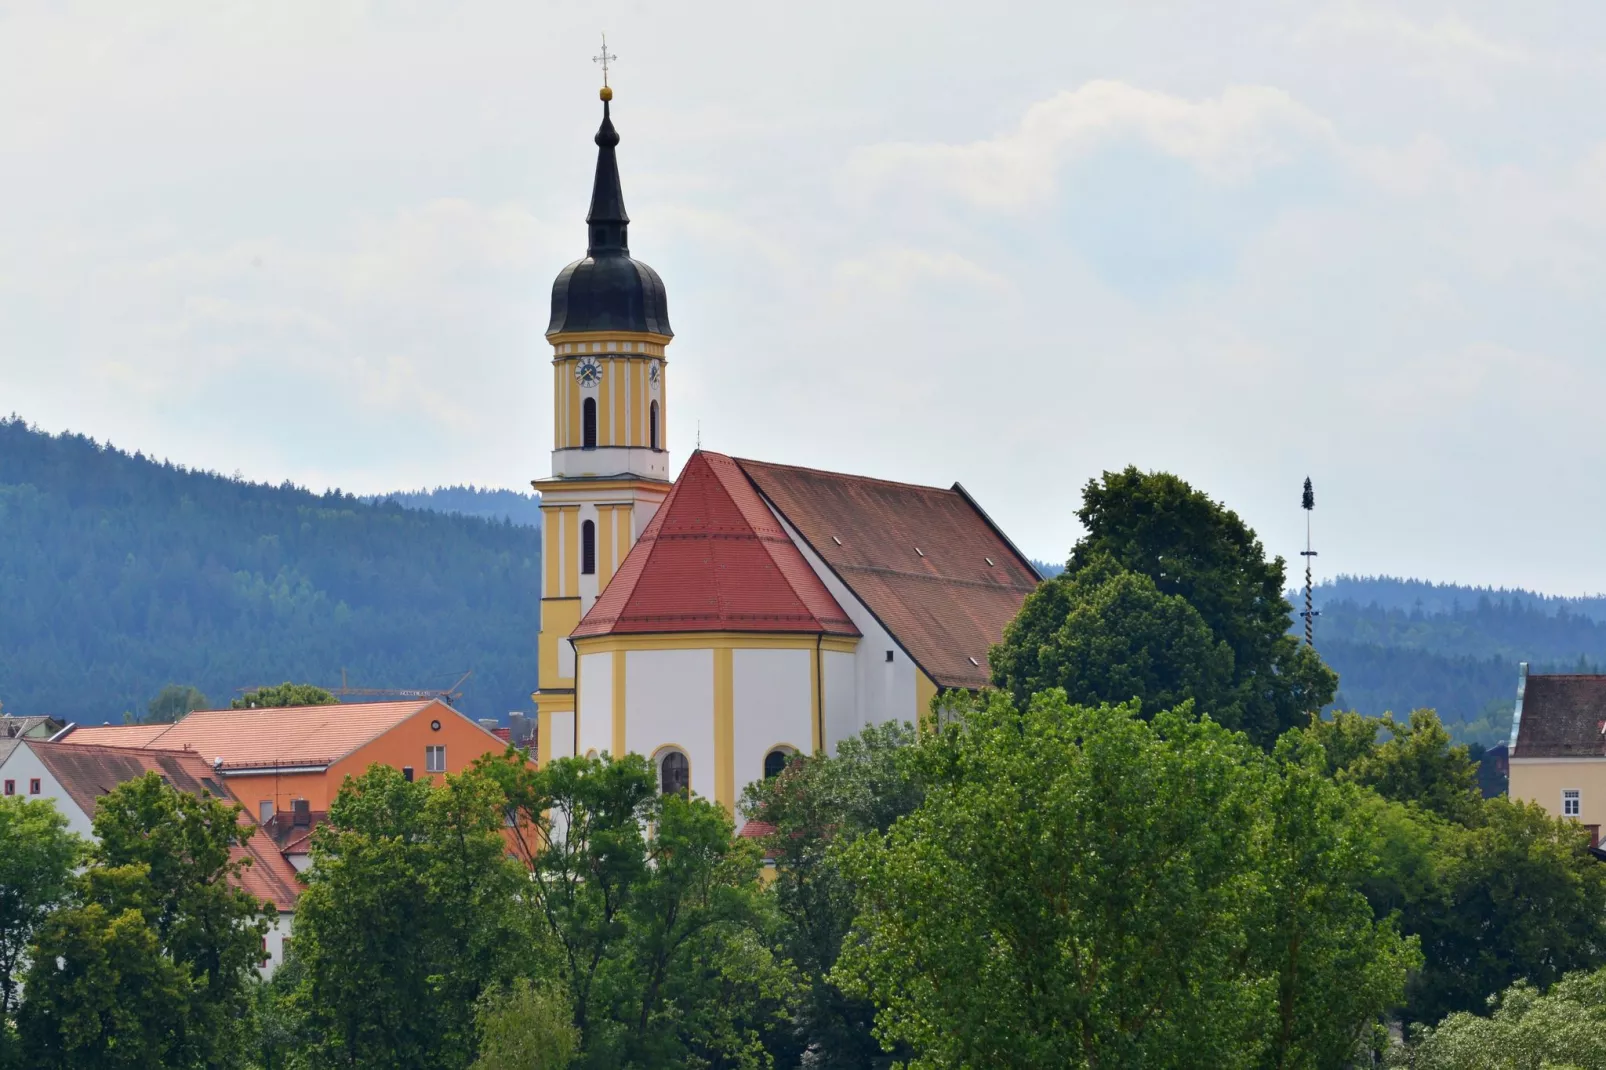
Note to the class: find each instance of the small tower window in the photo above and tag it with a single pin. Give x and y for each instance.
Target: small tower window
(674, 774)
(588, 548)
(652, 425)
(588, 423)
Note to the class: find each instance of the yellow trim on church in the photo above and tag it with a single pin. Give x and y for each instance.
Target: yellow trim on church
(597, 644)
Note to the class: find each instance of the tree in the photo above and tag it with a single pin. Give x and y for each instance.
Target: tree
(817, 805)
(285, 694)
(101, 995)
(152, 963)
(1518, 897)
(662, 937)
(37, 859)
(204, 921)
(1083, 888)
(172, 703)
(1103, 634)
(410, 914)
(1525, 1030)
(1189, 545)
(525, 1026)
(1417, 764)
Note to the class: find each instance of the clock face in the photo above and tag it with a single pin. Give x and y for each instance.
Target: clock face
(653, 373)
(588, 371)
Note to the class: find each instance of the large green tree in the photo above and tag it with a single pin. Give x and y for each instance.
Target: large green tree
(37, 859)
(1418, 763)
(1103, 634)
(816, 806)
(159, 907)
(657, 911)
(1081, 888)
(1192, 546)
(411, 912)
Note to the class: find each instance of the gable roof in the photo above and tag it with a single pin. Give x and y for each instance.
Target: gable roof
(713, 558)
(917, 557)
(272, 737)
(1562, 715)
(87, 771)
(117, 735)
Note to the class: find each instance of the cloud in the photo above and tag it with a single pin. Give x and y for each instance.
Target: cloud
(1227, 138)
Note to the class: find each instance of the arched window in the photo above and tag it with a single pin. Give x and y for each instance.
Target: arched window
(775, 762)
(588, 548)
(674, 774)
(588, 423)
(652, 425)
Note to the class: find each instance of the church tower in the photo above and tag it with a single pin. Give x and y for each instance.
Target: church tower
(610, 460)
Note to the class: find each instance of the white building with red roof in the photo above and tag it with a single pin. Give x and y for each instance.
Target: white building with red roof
(747, 610)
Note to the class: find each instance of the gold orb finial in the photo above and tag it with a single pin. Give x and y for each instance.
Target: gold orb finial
(605, 93)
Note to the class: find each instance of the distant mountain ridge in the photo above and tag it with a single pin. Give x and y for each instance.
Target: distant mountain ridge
(487, 503)
(120, 574)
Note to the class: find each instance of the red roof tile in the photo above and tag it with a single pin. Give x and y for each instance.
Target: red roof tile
(87, 771)
(713, 558)
(917, 557)
(756, 830)
(274, 736)
(117, 735)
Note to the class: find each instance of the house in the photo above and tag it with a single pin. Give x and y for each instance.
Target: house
(74, 777)
(1558, 746)
(286, 764)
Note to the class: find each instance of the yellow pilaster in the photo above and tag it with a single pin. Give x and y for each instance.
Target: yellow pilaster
(605, 544)
(543, 736)
(621, 395)
(572, 388)
(625, 522)
(815, 698)
(725, 729)
(571, 551)
(638, 388)
(618, 703)
(558, 409)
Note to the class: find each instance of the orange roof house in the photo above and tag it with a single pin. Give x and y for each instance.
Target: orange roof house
(287, 763)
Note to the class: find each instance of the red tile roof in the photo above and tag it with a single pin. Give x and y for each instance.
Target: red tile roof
(917, 557)
(277, 736)
(756, 830)
(713, 558)
(88, 771)
(1562, 717)
(117, 735)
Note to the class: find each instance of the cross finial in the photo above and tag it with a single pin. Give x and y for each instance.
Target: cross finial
(604, 58)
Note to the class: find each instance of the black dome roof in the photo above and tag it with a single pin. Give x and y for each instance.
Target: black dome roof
(607, 290)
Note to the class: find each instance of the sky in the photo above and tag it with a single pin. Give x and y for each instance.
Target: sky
(1010, 244)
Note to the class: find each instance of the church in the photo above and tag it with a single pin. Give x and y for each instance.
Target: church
(747, 610)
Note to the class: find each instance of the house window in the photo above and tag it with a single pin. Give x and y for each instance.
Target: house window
(652, 425)
(435, 759)
(775, 762)
(407, 773)
(264, 811)
(1571, 802)
(11, 787)
(674, 774)
(588, 548)
(33, 786)
(588, 423)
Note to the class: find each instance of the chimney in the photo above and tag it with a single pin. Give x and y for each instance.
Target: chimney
(300, 813)
(490, 724)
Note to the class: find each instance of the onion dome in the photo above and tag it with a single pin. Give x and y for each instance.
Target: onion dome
(607, 290)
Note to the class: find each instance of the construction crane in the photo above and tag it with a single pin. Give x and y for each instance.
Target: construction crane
(444, 695)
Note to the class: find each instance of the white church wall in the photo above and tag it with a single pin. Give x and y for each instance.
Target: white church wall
(562, 725)
(841, 672)
(771, 706)
(669, 700)
(883, 690)
(595, 689)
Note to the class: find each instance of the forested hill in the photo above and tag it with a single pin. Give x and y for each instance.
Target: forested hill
(120, 574)
(1399, 644)
(484, 502)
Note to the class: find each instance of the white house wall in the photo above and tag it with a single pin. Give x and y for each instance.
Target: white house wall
(669, 701)
(771, 706)
(23, 765)
(841, 697)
